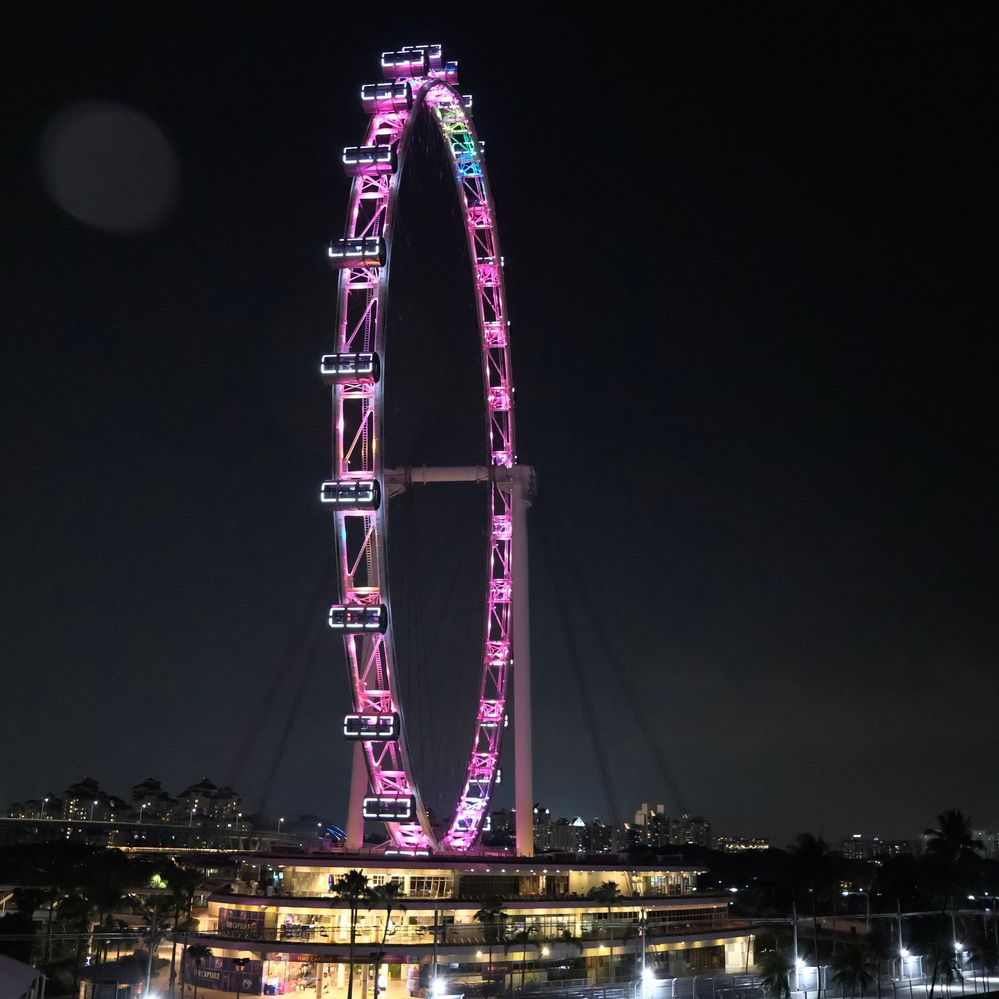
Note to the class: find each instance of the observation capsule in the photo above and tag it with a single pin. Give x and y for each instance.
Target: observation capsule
(384, 98)
(434, 51)
(366, 252)
(350, 495)
(336, 368)
(355, 618)
(371, 728)
(369, 161)
(393, 809)
(404, 63)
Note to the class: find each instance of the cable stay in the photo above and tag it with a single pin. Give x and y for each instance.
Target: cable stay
(292, 653)
(575, 661)
(621, 672)
(308, 666)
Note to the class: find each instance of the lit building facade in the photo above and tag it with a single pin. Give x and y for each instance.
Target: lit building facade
(284, 919)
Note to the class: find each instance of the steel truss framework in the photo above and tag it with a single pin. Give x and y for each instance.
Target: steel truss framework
(419, 82)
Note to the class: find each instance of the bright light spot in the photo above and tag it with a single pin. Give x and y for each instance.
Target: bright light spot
(437, 986)
(545, 951)
(648, 976)
(958, 947)
(478, 953)
(905, 953)
(733, 890)
(799, 962)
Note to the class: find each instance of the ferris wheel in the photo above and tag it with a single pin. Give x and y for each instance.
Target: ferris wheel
(418, 81)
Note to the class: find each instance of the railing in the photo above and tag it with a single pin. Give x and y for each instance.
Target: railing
(618, 933)
(718, 986)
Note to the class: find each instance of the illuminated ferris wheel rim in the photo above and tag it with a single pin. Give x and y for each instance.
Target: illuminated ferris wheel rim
(417, 79)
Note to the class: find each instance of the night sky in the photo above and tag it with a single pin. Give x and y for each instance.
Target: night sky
(751, 262)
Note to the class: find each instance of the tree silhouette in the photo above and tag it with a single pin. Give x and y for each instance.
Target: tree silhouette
(952, 846)
(352, 888)
(852, 966)
(608, 892)
(388, 896)
(775, 967)
(493, 920)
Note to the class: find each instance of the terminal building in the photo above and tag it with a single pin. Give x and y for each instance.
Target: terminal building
(283, 930)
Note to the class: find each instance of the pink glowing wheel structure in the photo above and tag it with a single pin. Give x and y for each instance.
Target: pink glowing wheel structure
(416, 80)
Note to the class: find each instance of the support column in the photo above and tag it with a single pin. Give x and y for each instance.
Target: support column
(355, 807)
(523, 776)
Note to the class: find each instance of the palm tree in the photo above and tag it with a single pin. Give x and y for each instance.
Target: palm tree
(952, 845)
(183, 882)
(608, 892)
(388, 897)
(775, 967)
(852, 966)
(198, 953)
(492, 917)
(155, 912)
(879, 952)
(352, 888)
(522, 938)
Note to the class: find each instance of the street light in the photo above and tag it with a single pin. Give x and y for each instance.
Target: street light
(191, 823)
(45, 801)
(240, 963)
(93, 805)
(279, 825)
(141, 808)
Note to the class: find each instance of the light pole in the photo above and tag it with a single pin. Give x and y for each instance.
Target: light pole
(240, 963)
(93, 805)
(141, 809)
(45, 802)
(279, 825)
(190, 824)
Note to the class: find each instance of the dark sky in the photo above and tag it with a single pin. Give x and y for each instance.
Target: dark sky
(751, 260)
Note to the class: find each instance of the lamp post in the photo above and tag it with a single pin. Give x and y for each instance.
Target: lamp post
(45, 802)
(142, 808)
(240, 963)
(93, 805)
(280, 820)
(190, 823)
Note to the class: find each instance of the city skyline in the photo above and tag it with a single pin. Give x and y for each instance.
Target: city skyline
(773, 349)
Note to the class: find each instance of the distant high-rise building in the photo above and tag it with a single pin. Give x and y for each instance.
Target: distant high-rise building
(989, 842)
(651, 826)
(569, 835)
(542, 829)
(690, 829)
(503, 821)
(860, 847)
